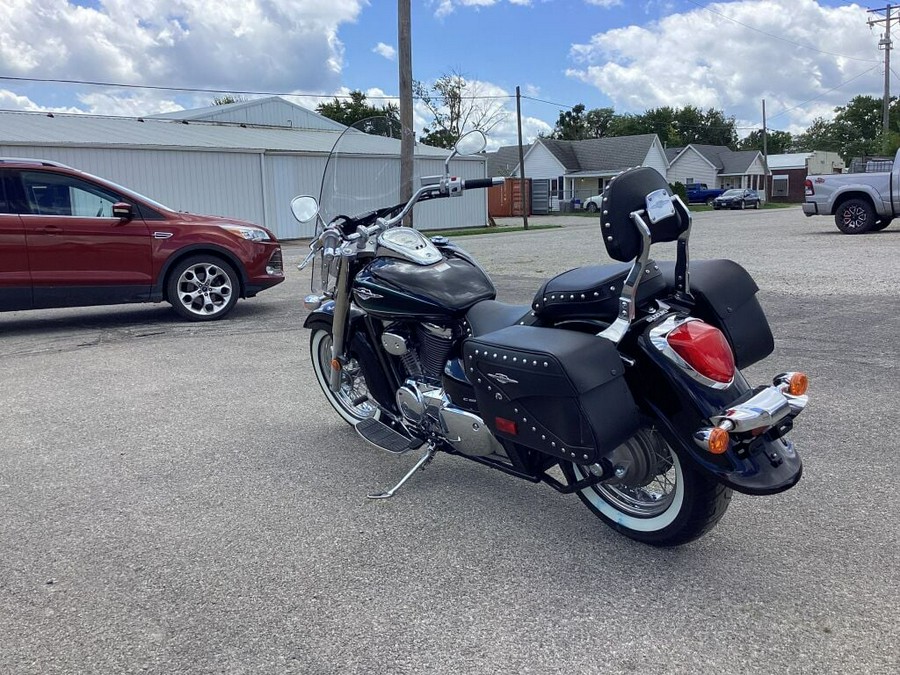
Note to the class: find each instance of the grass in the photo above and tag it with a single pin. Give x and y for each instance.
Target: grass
(500, 229)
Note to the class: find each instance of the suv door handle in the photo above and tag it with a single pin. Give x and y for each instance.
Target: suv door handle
(50, 229)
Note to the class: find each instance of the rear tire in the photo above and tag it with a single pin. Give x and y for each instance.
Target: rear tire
(353, 384)
(677, 506)
(591, 207)
(855, 216)
(881, 224)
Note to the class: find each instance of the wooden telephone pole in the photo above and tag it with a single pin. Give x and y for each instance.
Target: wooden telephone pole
(886, 44)
(407, 133)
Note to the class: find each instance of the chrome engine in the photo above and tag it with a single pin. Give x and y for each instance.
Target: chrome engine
(425, 407)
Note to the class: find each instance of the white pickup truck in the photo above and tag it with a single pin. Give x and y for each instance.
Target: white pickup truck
(859, 202)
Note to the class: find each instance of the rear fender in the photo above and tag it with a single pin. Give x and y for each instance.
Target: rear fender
(682, 406)
(378, 377)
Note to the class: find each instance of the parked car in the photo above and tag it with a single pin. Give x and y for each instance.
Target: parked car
(737, 199)
(70, 239)
(592, 204)
(700, 193)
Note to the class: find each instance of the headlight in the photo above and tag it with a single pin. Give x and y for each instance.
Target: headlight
(251, 233)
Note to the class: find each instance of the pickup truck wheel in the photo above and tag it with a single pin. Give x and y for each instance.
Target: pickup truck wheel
(855, 216)
(881, 223)
(591, 207)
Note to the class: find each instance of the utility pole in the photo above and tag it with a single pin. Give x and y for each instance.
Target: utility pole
(407, 133)
(886, 44)
(765, 140)
(521, 160)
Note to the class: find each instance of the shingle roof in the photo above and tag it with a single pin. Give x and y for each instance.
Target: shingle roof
(726, 160)
(614, 153)
(505, 160)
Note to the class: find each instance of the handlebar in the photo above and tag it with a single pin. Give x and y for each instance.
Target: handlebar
(476, 183)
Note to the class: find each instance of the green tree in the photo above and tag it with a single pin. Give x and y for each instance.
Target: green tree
(225, 99)
(456, 106)
(578, 123)
(777, 142)
(356, 108)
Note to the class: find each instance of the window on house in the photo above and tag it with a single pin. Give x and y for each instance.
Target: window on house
(779, 186)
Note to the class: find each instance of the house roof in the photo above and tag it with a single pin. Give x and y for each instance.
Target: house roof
(794, 160)
(727, 161)
(56, 129)
(505, 160)
(600, 155)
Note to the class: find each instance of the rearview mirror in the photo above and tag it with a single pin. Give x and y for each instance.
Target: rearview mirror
(304, 208)
(471, 143)
(123, 211)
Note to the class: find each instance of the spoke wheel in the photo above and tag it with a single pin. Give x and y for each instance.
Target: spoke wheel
(352, 400)
(203, 288)
(660, 500)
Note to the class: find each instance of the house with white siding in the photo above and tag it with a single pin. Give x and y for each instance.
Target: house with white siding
(244, 160)
(717, 166)
(577, 170)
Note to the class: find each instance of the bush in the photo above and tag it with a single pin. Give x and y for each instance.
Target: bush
(678, 188)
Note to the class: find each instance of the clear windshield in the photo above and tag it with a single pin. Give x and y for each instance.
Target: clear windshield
(362, 173)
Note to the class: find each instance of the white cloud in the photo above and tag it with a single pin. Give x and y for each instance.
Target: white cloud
(701, 58)
(605, 3)
(386, 51)
(445, 7)
(275, 44)
(12, 101)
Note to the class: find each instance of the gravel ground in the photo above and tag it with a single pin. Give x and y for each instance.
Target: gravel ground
(179, 498)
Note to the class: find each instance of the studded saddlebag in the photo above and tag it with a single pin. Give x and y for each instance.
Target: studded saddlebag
(559, 392)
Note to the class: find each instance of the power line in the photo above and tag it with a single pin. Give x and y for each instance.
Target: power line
(201, 90)
(777, 37)
(824, 93)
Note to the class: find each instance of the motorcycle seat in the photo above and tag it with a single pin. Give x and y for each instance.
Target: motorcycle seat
(490, 315)
(592, 292)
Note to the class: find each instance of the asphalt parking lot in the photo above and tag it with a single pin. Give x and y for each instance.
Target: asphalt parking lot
(180, 498)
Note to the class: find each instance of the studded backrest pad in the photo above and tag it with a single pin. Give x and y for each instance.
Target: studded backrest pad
(628, 192)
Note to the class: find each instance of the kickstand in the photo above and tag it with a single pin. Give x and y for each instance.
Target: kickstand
(427, 457)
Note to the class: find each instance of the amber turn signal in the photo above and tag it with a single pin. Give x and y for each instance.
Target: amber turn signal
(798, 384)
(335, 364)
(718, 440)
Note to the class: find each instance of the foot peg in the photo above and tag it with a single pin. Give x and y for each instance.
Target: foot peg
(382, 436)
(427, 457)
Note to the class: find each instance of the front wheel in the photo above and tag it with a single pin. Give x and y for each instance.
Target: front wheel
(352, 400)
(203, 288)
(661, 500)
(591, 207)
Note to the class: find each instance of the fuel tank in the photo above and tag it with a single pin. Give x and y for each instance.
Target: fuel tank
(393, 288)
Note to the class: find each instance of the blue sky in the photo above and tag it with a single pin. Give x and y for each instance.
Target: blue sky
(803, 56)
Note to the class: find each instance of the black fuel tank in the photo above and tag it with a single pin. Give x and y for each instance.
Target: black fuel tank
(392, 288)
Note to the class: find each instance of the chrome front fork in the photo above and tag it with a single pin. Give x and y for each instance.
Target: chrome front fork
(339, 325)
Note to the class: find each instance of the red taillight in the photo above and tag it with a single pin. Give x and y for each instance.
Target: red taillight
(705, 349)
(810, 191)
(506, 426)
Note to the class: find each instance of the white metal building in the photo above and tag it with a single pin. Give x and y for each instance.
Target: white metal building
(247, 163)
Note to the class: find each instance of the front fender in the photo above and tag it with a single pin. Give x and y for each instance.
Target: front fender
(379, 380)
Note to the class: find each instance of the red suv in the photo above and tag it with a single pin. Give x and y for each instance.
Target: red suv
(69, 239)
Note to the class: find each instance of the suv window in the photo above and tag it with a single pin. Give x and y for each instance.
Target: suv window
(53, 194)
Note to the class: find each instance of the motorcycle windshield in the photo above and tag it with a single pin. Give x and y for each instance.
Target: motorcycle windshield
(362, 173)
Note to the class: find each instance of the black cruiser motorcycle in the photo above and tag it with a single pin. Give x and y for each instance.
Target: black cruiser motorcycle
(625, 376)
